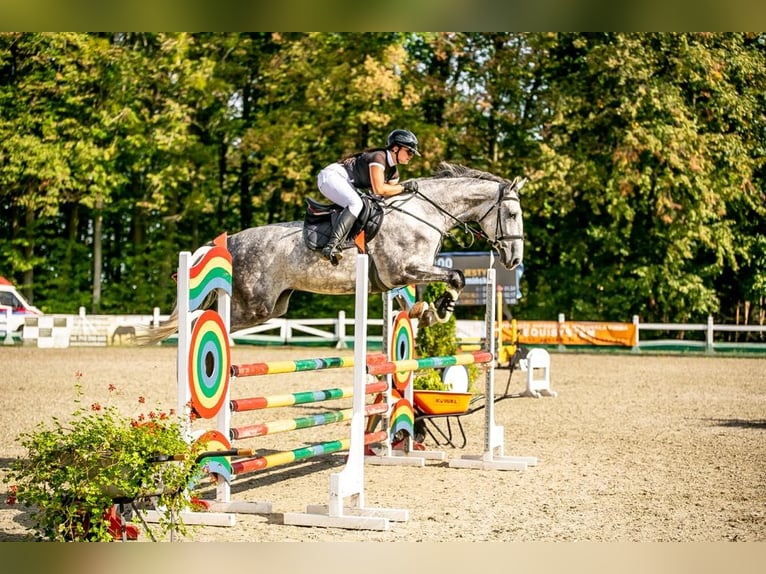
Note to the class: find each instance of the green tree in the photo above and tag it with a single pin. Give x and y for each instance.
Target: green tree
(638, 220)
(55, 154)
(158, 89)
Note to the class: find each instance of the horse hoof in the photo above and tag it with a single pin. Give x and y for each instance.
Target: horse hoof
(418, 309)
(442, 318)
(427, 319)
(444, 311)
(444, 306)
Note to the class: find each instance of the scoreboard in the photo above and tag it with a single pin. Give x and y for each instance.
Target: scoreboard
(474, 265)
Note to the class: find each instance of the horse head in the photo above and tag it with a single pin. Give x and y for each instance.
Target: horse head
(491, 201)
(507, 234)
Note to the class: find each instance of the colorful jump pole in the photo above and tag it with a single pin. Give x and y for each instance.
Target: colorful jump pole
(302, 453)
(391, 367)
(299, 398)
(272, 368)
(263, 429)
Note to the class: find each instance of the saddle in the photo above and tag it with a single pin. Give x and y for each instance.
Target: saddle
(320, 218)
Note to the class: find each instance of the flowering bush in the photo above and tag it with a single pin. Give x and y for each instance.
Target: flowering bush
(75, 471)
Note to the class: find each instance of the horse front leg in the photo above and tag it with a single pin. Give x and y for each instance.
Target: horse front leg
(441, 309)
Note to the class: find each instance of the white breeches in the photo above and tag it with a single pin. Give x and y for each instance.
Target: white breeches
(334, 184)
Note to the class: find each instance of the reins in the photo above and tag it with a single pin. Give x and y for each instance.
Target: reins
(467, 228)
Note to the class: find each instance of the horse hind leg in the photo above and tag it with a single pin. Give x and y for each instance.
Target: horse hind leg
(258, 309)
(283, 302)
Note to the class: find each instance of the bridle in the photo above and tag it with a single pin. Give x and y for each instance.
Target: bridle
(503, 189)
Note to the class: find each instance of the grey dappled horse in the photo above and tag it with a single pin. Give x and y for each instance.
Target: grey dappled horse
(272, 261)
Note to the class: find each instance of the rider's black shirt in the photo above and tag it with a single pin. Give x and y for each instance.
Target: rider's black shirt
(358, 167)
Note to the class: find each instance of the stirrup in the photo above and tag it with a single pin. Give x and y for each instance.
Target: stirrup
(333, 255)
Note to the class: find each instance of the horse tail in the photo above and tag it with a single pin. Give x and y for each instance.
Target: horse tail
(146, 336)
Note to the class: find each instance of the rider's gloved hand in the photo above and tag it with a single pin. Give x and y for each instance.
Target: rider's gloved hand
(410, 186)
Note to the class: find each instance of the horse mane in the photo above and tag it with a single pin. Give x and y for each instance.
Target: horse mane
(447, 170)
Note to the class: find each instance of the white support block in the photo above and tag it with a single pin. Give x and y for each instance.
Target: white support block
(240, 507)
(352, 518)
(326, 521)
(424, 454)
(401, 460)
(493, 463)
(194, 518)
(392, 514)
(537, 364)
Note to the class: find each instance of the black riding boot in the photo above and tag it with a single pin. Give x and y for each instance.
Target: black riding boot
(333, 250)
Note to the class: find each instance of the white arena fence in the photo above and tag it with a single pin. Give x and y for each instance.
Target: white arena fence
(63, 330)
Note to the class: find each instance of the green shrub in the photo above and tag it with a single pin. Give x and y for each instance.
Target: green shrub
(438, 340)
(429, 380)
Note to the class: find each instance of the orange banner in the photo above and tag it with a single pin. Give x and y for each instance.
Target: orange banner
(574, 333)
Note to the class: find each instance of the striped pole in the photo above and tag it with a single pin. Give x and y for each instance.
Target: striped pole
(286, 457)
(280, 367)
(429, 363)
(263, 429)
(276, 367)
(303, 397)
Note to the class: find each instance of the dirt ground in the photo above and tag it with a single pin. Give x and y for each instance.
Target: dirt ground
(635, 448)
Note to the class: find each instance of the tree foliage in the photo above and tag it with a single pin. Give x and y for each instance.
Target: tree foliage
(644, 153)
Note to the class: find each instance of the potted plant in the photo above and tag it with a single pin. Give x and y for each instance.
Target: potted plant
(75, 470)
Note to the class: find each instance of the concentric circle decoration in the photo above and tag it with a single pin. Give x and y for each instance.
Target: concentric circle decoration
(209, 364)
(212, 441)
(406, 296)
(402, 420)
(402, 348)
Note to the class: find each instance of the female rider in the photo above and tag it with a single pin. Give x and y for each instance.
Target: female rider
(373, 169)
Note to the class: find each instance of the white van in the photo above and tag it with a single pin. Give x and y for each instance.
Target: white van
(13, 308)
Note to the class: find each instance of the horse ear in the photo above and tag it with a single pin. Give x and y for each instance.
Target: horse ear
(517, 184)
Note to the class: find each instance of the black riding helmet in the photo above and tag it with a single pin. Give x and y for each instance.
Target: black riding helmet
(404, 138)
